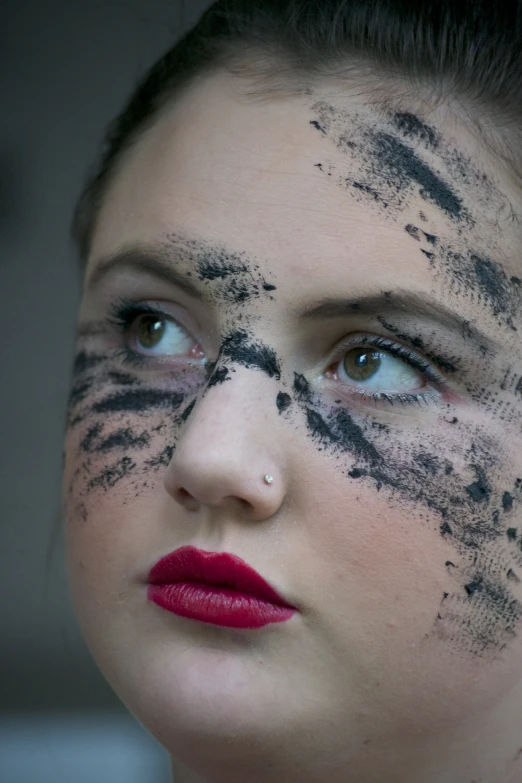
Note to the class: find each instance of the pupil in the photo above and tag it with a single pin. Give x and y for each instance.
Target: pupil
(151, 331)
(361, 365)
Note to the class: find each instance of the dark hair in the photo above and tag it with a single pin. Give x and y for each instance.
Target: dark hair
(467, 52)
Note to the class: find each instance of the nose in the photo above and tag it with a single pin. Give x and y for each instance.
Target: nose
(229, 450)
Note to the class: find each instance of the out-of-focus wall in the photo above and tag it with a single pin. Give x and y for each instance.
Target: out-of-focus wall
(66, 66)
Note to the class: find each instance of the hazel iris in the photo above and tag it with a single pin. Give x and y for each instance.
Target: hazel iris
(150, 331)
(360, 364)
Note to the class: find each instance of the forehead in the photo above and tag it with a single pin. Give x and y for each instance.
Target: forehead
(320, 182)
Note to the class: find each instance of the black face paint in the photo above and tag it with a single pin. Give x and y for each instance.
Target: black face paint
(283, 402)
(451, 365)
(232, 278)
(241, 348)
(471, 514)
(138, 401)
(219, 376)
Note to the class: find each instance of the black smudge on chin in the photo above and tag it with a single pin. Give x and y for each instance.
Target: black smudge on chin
(240, 348)
(283, 402)
(138, 401)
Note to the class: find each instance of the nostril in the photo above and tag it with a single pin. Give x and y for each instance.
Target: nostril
(183, 497)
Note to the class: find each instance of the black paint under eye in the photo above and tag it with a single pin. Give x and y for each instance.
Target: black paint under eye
(240, 348)
(302, 388)
(188, 410)
(479, 491)
(283, 401)
(112, 474)
(219, 376)
(507, 501)
(138, 401)
(340, 430)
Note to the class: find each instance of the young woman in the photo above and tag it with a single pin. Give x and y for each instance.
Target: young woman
(293, 475)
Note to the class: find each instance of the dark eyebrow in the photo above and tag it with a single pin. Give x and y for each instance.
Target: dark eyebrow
(151, 261)
(399, 302)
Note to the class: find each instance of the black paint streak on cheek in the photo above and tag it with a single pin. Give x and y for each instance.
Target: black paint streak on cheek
(162, 460)
(283, 402)
(507, 501)
(186, 413)
(138, 401)
(302, 389)
(112, 474)
(405, 166)
(122, 378)
(240, 348)
(341, 430)
(124, 439)
(479, 491)
(87, 443)
(219, 376)
(84, 362)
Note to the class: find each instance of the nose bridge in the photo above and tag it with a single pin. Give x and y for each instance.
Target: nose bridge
(236, 400)
(227, 447)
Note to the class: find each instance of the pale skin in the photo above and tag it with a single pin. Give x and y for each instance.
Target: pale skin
(390, 670)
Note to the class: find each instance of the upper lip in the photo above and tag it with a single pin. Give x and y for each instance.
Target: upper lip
(221, 569)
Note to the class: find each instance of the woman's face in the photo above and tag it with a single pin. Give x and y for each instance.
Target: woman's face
(330, 294)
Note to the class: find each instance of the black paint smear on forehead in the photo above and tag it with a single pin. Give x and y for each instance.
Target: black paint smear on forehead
(389, 169)
(404, 167)
(241, 348)
(468, 516)
(474, 276)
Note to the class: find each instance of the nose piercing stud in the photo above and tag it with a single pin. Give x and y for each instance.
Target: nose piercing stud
(268, 479)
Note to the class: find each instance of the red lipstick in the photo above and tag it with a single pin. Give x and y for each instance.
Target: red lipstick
(217, 588)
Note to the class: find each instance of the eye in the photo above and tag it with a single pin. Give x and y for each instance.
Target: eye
(379, 371)
(154, 334)
(149, 331)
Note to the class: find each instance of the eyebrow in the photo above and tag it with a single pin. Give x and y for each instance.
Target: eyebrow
(155, 261)
(150, 261)
(399, 302)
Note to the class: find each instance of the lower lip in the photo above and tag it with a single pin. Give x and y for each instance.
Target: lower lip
(217, 605)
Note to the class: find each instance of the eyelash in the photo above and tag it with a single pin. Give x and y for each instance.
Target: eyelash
(410, 358)
(123, 314)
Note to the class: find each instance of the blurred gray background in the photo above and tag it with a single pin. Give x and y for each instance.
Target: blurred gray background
(66, 67)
